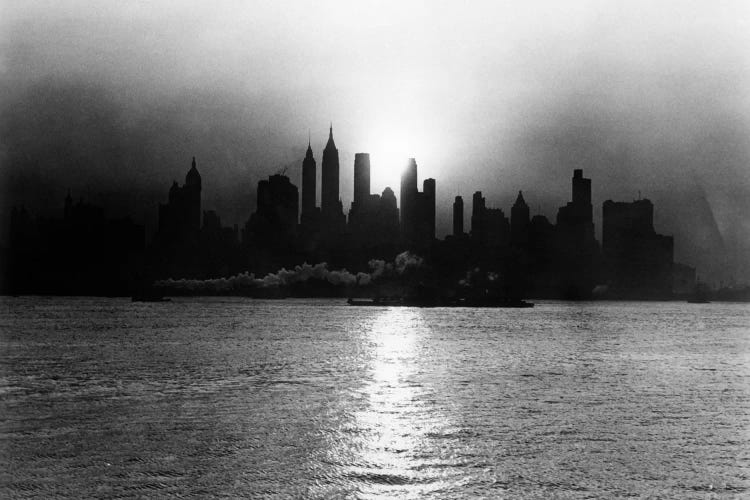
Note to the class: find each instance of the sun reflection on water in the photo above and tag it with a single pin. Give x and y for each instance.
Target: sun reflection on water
(396, 419)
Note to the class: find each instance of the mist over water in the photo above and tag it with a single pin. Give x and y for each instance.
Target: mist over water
(315, 399)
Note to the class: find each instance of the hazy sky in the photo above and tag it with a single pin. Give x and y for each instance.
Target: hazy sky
(111, 99)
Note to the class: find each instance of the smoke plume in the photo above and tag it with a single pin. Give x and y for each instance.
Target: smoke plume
(283, 278)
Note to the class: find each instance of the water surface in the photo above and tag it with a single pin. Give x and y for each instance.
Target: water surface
(244, 398)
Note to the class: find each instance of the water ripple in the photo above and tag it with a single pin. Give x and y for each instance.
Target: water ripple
(233, 398)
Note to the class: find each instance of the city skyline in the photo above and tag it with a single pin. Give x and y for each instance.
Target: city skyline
(645, 98)
(517, 255)
(183, 211)
(375, 248)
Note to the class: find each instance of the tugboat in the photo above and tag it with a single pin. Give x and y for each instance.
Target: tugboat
(377, 301)
(493, 302)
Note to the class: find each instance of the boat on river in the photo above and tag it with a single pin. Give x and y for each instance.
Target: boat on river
(377, 301)
(466, 302)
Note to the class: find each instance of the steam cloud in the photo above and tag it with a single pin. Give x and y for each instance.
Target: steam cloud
(404, 263)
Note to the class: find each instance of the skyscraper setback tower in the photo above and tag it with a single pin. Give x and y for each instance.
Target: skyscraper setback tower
(329, 182)
(576, 246)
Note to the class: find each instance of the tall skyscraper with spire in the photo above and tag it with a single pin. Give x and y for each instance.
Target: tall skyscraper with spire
(193, 184)
(309, 194)
(333, 220)
(329, 182)
(180, 218)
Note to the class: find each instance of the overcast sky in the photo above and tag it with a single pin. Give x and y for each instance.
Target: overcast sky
(111, 99)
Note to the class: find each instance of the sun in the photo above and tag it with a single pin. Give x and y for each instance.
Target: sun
(390, 151)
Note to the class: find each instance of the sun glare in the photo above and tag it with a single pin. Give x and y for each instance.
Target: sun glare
(390, 149)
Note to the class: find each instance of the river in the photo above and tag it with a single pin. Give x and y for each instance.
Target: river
(234, 397)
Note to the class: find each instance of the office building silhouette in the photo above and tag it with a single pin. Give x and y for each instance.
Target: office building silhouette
(490, 228)
(373, 219)
(361, 178)
(519, 223)
(274, 222)
(180, 217)
(84, 253)
(458, 216)
(637, 260)
(417, 210)
(576, 247)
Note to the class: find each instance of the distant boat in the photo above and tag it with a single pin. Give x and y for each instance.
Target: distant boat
(377, 301)
(493, 302)
(386, 302)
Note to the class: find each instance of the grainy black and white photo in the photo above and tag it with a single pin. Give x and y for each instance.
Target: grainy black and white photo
(375, 249)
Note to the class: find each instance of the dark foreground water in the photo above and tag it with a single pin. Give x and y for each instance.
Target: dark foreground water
(315, 399)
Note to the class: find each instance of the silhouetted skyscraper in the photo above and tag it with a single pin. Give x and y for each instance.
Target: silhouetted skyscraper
(576, 218)
(417, 209)
(489, 226)
(477, 217)
(180, 218)
(361, 177)
(193, 193)
(458, 216)
(581, 189)
(407, 199)
(274, 222)
(364, 206)
(373, 219)
(329, 183)
(333, 220)
(388, 217)
(496, 228)
(84, 253)
(426, 211)
(636, 259)
(519, 222)
(577, 248)
(309, 173)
